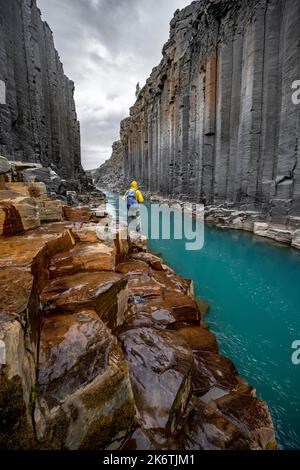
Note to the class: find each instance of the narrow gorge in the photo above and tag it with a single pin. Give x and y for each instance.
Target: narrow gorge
(105, 339)
(215, 122)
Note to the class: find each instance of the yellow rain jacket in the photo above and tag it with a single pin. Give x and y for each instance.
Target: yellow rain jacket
(138, 194)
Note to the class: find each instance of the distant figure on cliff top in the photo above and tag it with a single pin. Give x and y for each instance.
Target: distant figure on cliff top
(133, 198)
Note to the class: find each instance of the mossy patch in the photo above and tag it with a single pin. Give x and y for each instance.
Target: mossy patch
(16, 432)
(105, 428)
(102, 393)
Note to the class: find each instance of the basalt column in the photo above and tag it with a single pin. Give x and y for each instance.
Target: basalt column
(38, 121)
(221, 124)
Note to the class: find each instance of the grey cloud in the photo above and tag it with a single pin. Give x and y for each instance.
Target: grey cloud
(107, 46)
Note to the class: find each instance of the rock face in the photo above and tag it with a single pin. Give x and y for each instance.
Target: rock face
(112, 173)
(215, 122)
(38, 123)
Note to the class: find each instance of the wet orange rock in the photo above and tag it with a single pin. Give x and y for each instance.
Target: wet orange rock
(106, 292)
(51, 211)
(33, 251)
(28, 210)
(154, 261)
(36, 190)
(83, 257)
(163, 312)
(160, 370)
(74, 349)
(85, 232)
(173, 283)
(214, 374)
(198, 338)
(19, 297)
(251, 416)
(10, 220)
(77, 214)
(132, 268)
(19, 328)
(84, 396)
(207, 430)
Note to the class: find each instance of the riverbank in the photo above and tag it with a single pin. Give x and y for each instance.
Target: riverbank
(104, 346)
(281, 229)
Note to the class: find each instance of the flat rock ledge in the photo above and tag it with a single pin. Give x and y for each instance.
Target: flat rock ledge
(103, 347)
(281, 229)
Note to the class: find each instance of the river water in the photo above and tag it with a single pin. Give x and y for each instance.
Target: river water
(253, 288)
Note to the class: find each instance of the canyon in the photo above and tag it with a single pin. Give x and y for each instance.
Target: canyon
(215, 122)
(105, 347)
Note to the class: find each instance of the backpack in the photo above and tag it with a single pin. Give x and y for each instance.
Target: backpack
(131, 198)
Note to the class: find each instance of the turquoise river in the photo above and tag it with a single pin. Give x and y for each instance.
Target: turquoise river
(253, 288)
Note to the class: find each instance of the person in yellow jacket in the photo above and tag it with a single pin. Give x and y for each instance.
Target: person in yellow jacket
(133, 198)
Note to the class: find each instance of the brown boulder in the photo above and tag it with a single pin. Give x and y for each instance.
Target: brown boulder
(77, 214)
(212, 374)
(106, 292)
(162, 313)
(83, 257)
(160, 371)
(198, 338)
(84, 393)
(33, 251)
(10, 220)
(251, 416)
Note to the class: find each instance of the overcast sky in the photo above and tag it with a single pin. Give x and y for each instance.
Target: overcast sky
(107, 46)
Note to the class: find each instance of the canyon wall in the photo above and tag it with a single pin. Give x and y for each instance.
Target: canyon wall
(215, 122)
(38, 122)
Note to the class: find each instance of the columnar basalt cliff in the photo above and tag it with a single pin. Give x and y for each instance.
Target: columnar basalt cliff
(38, 123)
(215, 122)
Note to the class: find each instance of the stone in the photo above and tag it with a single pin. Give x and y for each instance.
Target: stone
(77, 214)
(106, 292)
(160, 372)
(132, 268)
(212, 373)
(154, 261)
(19, 330)
(251, 416)
(33, 251)
(4, 166)
(207, 430)
(137, 242)
(261, 229)
(198, 339)
(28, 210)
(165, 312)
(51, 211)
(85, 233)
(34, 190)
(296, 239)
(10, 220)
(39, 122)
(19, 214)
(83, 257)
(84, 394)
